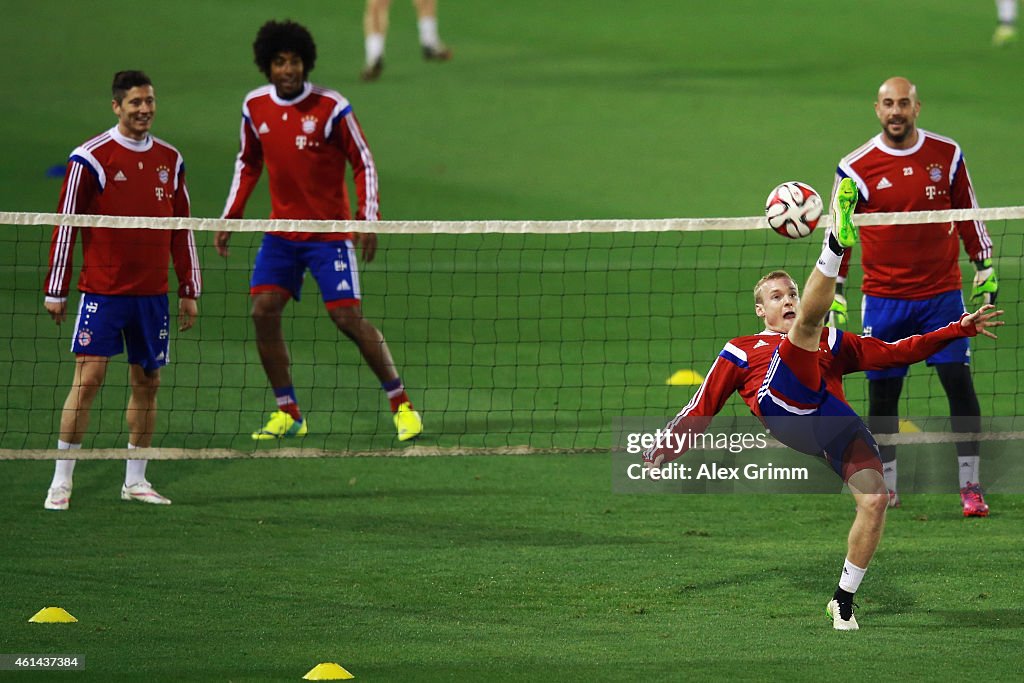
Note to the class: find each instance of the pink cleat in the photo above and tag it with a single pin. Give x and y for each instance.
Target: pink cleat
(894, 499)
(973, 501)
(58, 497)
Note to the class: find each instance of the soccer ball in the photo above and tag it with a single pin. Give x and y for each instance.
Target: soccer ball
(793, 209)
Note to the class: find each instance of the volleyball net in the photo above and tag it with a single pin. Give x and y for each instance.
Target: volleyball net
(510, 336)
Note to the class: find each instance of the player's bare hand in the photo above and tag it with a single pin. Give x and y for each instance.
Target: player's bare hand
(57, 310)
(368, 241)
(221, 242)
(187, 312)
(982, 319)
(654, 464)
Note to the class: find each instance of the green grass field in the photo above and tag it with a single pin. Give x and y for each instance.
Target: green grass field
(494, 568)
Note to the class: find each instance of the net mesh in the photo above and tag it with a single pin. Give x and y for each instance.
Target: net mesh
(509, 336)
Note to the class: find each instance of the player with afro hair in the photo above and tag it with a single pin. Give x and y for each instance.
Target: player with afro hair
(275, 37)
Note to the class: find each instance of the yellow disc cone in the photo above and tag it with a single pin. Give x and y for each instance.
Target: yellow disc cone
(52, 615)
(328, 671)
(908, 427)
(684, 378)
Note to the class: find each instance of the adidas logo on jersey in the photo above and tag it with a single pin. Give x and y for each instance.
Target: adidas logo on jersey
(883, 184)
(120, 176)
(264, 128)
(760, 344)
(343, 287)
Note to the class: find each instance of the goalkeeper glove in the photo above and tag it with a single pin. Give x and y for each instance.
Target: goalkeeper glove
(986, 285)
(837, 315)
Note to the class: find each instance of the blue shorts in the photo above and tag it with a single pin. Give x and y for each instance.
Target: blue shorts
(894, 319)
(281, 265)
(813, 421)
(107, 324)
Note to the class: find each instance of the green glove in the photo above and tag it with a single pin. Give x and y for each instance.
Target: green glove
(986, 285)
(837, 315)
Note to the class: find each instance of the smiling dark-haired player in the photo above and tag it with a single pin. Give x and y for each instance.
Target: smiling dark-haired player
(306, 136)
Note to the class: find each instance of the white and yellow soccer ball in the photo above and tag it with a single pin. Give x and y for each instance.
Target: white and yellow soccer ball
(793, 209)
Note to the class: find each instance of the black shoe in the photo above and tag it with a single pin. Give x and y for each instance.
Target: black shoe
(439, 53)
(373, 71)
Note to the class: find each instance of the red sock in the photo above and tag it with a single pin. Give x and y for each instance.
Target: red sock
(293, 410)
(396, 401)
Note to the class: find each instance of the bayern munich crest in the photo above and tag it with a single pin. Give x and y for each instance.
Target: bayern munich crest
(164, 174)
(935, 173)
(308, 124)
(84, 338)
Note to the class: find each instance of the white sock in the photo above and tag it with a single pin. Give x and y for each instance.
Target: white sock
(968, 467)
(428, 32)
(851, 577)
(64, 470)
(889, 475)
(134, 470)
(829, 261)
(374, 48)
(1007, 10)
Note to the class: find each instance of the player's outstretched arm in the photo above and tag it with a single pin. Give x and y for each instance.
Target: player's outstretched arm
(981, 320)
(868, 353)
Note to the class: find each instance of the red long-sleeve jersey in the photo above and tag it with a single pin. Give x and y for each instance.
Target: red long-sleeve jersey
(913, 261)
(304, 143)
(743, 362)
(113, 175)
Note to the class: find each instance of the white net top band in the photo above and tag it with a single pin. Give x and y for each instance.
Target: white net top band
(490, 226)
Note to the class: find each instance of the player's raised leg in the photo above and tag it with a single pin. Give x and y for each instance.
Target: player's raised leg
(819, 291)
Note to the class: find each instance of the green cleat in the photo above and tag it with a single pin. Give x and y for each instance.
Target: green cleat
(281, 425)
(843, 205)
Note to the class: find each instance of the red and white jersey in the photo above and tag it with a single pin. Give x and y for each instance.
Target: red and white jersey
(113, 175)
(742, 364)
(913, 261)
(305, 143)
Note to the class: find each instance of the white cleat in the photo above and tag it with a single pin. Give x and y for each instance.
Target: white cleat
(58, 497)
(838, 623)
(143, 492)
